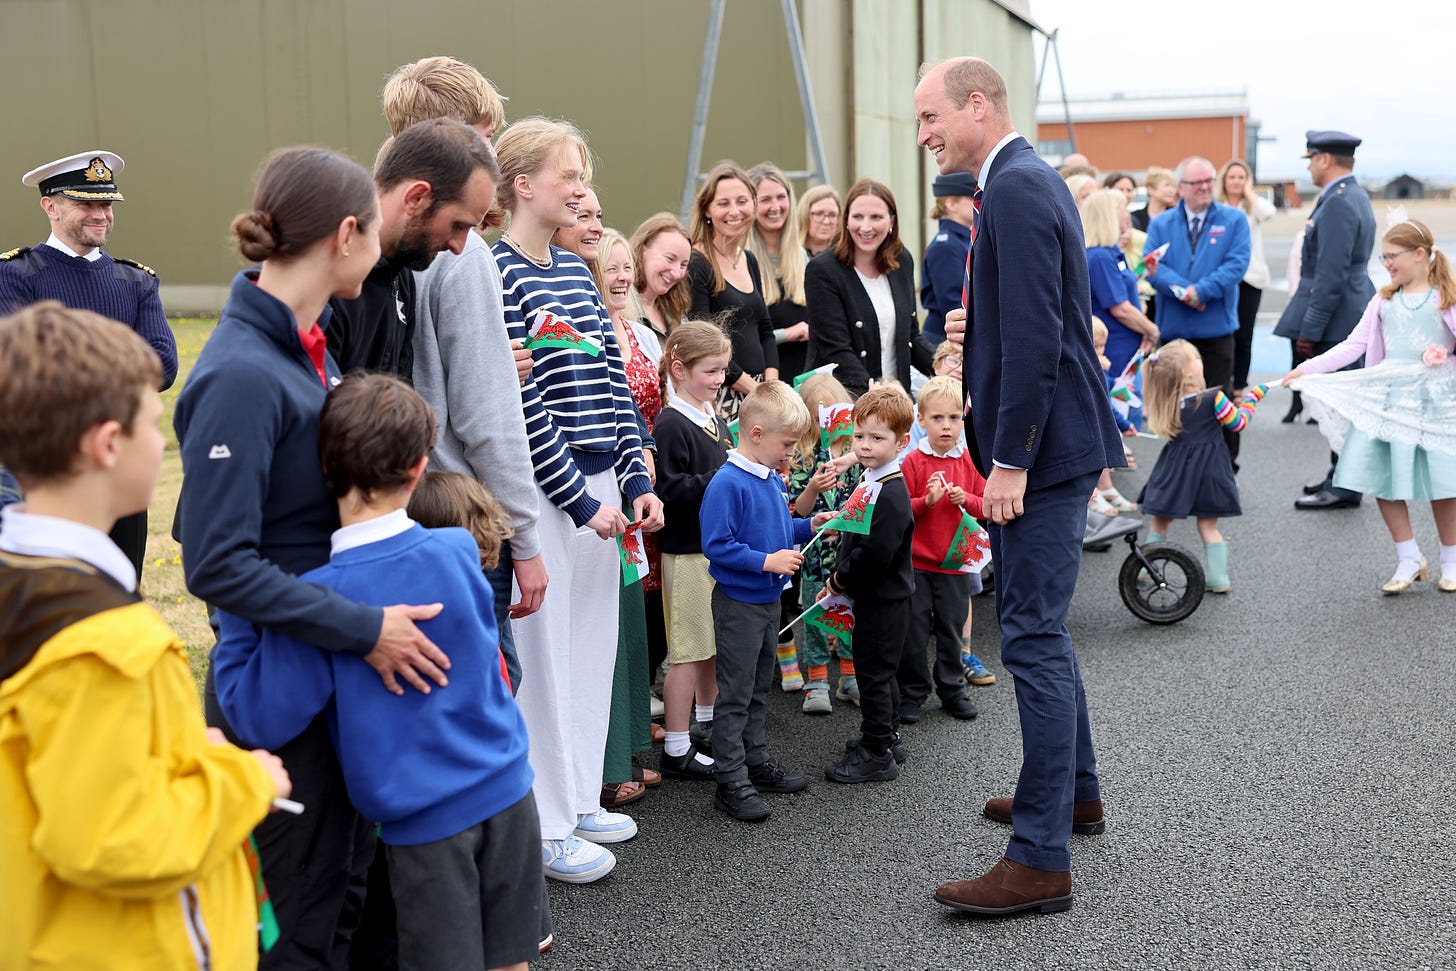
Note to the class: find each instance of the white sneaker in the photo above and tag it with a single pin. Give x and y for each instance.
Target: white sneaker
(575, 860)
(605, 827)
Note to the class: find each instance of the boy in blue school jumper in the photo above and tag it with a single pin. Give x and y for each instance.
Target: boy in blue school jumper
(875, 571)
(749, 540)
(445, 772)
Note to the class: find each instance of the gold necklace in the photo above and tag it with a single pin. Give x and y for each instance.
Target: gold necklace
(536, 261)
(733, 261)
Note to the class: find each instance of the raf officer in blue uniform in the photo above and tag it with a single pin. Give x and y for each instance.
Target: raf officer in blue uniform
(943, 271)
(77, 193)
(1334, 279)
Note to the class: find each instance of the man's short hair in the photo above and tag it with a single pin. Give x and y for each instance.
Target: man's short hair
(890, 405)
(441, 87)
(372, 431)
(1343, 161)
(443, 152)
(66, 371)
(1181, 172)
(942, 387)
(966, 75)
(775, 407)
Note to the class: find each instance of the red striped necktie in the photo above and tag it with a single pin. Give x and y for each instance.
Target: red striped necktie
(975, 223)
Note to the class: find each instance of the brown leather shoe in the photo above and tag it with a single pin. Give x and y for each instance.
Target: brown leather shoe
(1009, 888)
(1086, 816)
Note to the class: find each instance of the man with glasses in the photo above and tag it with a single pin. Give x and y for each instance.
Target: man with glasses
(1197, 280)
(1334, 281)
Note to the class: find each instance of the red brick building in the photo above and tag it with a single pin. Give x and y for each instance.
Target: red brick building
(1130, 132)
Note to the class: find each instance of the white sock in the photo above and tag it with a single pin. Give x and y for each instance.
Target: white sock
(703, 713)
(1409, 554)
(676, 744)
(1448, 562)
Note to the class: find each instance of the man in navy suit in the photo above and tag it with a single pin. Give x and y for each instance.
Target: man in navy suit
(1041, 431)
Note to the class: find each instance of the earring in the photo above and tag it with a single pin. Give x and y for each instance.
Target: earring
(346, 251)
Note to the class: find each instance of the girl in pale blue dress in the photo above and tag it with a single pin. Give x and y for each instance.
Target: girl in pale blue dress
(1394, 420)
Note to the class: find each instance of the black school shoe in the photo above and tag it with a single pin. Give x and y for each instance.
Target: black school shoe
(959, 706)
(897, 749)
(861, 765)
(909, 712)
(701, 735)
(741, 801)
(686, 766)
(773, 776)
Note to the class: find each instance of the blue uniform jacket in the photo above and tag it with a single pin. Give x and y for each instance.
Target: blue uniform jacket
(254, 512)
(1214, 269)
(1334, 278)
(1038, 397)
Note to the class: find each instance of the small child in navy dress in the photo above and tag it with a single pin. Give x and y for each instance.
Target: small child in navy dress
(1194, 476)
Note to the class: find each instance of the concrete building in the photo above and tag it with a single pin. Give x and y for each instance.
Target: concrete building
(1128, 133)
(195, 95)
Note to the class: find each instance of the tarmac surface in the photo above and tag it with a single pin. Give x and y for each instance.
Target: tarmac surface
(1276, 770)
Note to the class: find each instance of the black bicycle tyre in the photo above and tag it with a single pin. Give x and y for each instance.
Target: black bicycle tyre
(1142, 602)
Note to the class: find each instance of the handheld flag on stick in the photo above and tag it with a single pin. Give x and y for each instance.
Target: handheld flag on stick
(859, 510)
(834, 615)
(821, 369)
(1150, 261)
(268, 932)
(633, 554)
(970, 549)
(549, 330)
(1124, 394)
(835, 421)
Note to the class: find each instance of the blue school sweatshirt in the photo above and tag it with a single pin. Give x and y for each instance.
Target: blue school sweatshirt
(425, 767)
(254, 510)
(744, 518)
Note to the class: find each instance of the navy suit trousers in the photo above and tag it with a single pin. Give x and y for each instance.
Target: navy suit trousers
(1037, 557)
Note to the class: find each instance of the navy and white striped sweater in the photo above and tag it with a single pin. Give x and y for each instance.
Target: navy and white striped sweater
(580, 419)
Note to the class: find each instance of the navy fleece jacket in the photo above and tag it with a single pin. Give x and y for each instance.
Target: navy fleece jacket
(254, 511)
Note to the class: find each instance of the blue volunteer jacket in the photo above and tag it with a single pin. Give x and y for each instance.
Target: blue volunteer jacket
(1214, 269)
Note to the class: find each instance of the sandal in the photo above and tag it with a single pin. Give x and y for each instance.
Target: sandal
(648, 777)
(659, 734)
(1099, 504)
(621, 793)
(1116, 500)
(1131, 459)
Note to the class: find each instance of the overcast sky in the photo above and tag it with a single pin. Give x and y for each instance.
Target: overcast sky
(1378, 71)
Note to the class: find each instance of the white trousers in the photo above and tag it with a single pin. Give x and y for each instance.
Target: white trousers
(568, 652)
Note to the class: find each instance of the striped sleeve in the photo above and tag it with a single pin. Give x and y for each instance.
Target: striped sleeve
(556, 472)
(1237, 418)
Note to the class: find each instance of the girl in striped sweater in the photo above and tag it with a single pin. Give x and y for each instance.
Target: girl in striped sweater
(587, 455)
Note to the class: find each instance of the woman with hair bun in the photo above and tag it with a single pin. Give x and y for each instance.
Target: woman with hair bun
(255, 511)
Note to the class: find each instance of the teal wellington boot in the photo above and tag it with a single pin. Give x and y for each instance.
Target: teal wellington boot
(1215, 558)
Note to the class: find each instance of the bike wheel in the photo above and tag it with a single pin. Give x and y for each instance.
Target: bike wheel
(1168, 592)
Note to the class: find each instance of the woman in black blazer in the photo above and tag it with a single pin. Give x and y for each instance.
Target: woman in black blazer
(861, 295)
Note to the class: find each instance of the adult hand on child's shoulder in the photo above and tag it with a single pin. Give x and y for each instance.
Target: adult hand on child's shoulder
(403, 651)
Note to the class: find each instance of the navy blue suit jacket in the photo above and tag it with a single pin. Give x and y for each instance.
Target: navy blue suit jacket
(1038, 396)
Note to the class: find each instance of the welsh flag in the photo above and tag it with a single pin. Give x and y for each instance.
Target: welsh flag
(1153, 258)
(834, 421)
(733, 430)
(549, 330)
(268, 930)
(633, 554)
(834, 615)
(822, 369)
(1123, 393)
(970, 548)
(859, 510)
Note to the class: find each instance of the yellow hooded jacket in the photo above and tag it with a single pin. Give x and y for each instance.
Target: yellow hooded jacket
(121, 824)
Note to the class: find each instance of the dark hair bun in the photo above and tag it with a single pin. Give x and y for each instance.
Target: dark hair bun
(257, 239)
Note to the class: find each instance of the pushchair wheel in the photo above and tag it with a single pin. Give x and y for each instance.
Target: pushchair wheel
(1162, 583)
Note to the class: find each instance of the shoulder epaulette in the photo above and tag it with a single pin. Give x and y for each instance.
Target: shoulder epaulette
(140, 266)
(18, 251)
